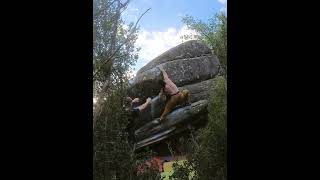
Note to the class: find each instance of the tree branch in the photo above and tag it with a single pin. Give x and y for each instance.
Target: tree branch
(119, 47)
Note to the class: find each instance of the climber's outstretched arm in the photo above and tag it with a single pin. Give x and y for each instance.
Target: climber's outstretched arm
(135, 100)
(145, 105)
(164, 73)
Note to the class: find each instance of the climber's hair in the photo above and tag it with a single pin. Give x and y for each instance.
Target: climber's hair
(186, 95)
(185, 92)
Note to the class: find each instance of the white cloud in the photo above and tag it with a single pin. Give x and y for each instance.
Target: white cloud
(154, 43)
(222, 1)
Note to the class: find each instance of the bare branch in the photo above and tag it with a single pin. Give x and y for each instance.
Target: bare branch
(124, 4)
(119, 47)
(135, 26)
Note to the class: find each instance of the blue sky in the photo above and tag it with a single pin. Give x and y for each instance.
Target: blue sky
(161, 27)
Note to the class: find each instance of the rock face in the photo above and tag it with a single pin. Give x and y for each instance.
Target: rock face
(191, 66)
(176, 120)
(185, 50)
(181, 72)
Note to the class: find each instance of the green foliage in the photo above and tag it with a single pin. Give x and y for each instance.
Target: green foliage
(213, 33)
(212, 153)
(113, 55)
(182, 171)
(208, 149)
(109, 33)
(113, 156)
(149, 174)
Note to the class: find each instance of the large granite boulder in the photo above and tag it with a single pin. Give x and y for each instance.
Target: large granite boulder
(190, 66)
(181, 72)
(189, 49)
(178, 117)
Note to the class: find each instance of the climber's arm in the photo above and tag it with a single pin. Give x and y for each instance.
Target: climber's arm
(164, 73)
(162, 95)
(144, 105)
(135, 100)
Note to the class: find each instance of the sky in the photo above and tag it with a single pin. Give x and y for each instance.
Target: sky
(161, 27)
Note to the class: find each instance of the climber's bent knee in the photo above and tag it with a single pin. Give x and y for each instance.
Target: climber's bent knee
(170, 105)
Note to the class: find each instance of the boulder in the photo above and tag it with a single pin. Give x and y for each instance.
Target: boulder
(181, 72)
(189, 49)
(178, 119)
(190, 65)
(198, 91)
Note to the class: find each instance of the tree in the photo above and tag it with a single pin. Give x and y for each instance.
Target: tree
(213, 33)
(211, 157)
(207, 157)
(113, 55)
(112, 155)
(113, 48)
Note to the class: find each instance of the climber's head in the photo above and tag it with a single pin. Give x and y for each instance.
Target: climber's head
(185, 92)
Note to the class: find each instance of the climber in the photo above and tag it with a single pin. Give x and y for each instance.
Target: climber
(172, 94)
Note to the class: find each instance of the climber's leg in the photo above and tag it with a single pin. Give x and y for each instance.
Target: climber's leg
(166, 111)
(172, 102)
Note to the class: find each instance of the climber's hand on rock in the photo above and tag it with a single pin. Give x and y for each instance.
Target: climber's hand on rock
(160, 67)
(136, 100)
(148, 100)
